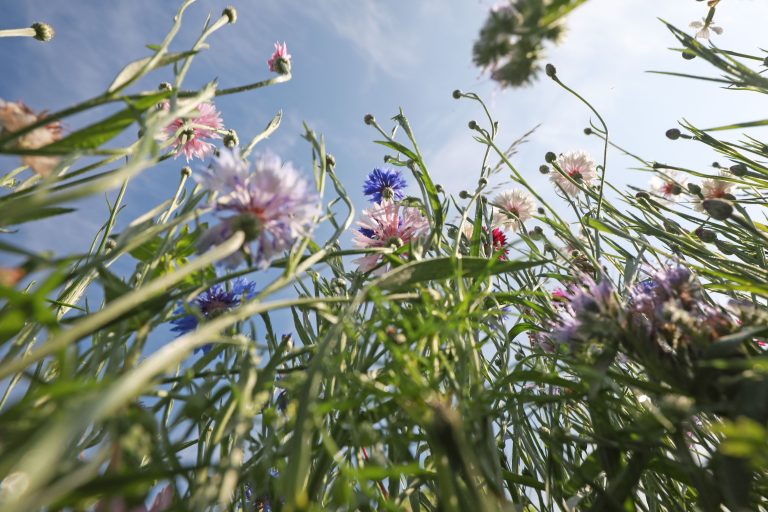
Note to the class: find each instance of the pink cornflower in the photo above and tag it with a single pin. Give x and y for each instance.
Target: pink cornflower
(386, 225)
(280, 62)
(666, 185)
(577, 165)
(189, 134)
(272, 204)
(13, 117)
(512, 208)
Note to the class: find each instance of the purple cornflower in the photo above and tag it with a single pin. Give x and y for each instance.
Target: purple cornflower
(588, 307)
(273, 205)
(218, 299)
(384, 184)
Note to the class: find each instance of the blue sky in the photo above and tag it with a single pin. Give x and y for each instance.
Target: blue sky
(352, 57)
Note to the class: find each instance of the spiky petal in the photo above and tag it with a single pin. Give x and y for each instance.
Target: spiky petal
(576, 165)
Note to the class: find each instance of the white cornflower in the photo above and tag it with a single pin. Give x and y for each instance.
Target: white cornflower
(665, 185)
(577, 165)
(702, 28)
(512, 208)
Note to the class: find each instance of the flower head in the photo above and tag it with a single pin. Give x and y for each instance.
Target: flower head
(668, 185)
(191, 135)
(512, 208)
(273, 205)
(218, 299)
(714, 188)
(499, 243)
(280, 62)
(589, 307)
(13, 117)
(384, 225)
(384, 184)
(576, 165)
(702, 28)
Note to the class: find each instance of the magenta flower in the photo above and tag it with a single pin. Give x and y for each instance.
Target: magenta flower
(387, 225)
(273, 205)
(191, 135)
(280, 62)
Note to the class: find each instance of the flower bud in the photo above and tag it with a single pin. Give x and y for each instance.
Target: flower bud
(716, 165)
(550, 70)
(550, 157)
(738, 170)
(587, 131)
(231, 14)
(186, 171)
(765, 62)
(541, 210)
(165, 86)
(330, 161)
(230, 139)
(694, 189)
(110, 244)
(456, 94)
(673, 134)
(706, 235)
(369, 119)
(676, 189)
(482, 182)
(43, 31)
(440, 189)
(472, 125)
(642, 195)
(464, 194)
(718, 209)
(544, 169)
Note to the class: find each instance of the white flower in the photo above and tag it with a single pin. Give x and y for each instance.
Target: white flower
(702, 28)
(713, 188)
(577, 165)
(512, 208)
(664, 185)
(13, 117)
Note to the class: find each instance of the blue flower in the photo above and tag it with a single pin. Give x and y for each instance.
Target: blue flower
(384, 184)
(211, 303)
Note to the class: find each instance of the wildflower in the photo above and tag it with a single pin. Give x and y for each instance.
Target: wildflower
(189, 134)
(272, 205)
(218, 299)
(280, 62)
(576, 165)
(668, 185)
(702, 28)
(384, 185)
(497, 243)
(385, 225)
(714, 188)
(13, 117)
(589, 312)
(513, 208)
(10, 276)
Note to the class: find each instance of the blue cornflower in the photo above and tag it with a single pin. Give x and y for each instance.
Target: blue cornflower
(211, 303)
(384, 184)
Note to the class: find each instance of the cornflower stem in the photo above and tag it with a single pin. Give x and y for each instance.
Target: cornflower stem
(18, 32)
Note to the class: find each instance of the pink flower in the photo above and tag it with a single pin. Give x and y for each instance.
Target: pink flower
(713, 188)
(387, 225)
(665, 185)
(13, 117)
(512, 208)
(189, 134)
(280, 62)
(578, 166)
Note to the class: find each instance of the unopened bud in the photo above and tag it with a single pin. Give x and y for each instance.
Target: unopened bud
(440, 189)
(43, 31)
(464, 194)
(688, 55)
(369, 119)
(642, 195)
(716, 165)
(186, 171)
(544, 169)
(482, 182)
(550, 70)
(738, 170)
(718, 209)
(165, 86)
(330, 161)
(587, 131)
(541, 210)
(456, 94)
(706, 235)
(230, 139)
(472, 125)
(231, 14)
(694, 189)
(550, 157)
(673, 134)
(676, 189)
